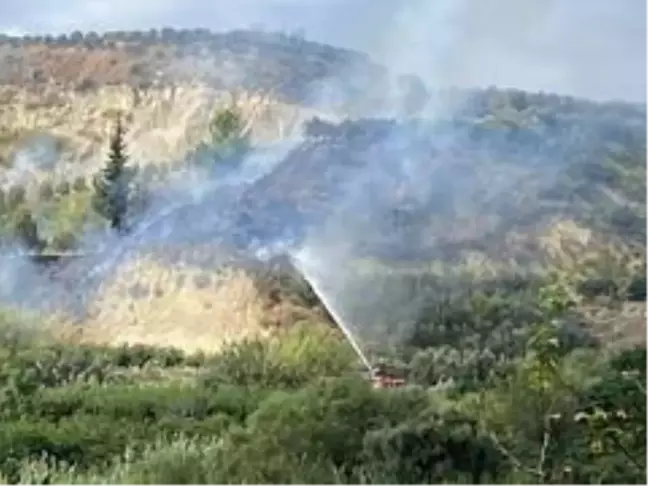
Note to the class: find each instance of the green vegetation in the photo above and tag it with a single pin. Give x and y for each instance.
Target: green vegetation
(63, 211)
(226, 130)
(27, 231)
(112, 187)
(507, 381)
(293, 409)
(227, 144)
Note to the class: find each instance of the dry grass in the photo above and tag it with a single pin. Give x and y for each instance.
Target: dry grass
(579, 255)
(168, 305)
(71, 65)
(186, 306)
(145, 302)
(619, 326)
(148, 301)
(163, 123)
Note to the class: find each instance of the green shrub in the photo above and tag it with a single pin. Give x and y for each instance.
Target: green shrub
(179, 461)
(28, 366)
(305, 353)
(145, 403)
(18, 330)
(79, 440)
(436, 449)
(318, 430)
(226, 130)
(26, 230)
(88, 425)
(25, 371)
(140, 355)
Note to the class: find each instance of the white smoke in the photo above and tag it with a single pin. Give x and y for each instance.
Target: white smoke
(447, 42)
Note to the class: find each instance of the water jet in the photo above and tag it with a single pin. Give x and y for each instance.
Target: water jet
(300, 265)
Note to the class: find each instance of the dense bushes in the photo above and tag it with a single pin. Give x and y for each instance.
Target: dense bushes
(291, 409)
(306, 354)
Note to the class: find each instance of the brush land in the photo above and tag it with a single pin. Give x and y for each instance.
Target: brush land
(520, 272)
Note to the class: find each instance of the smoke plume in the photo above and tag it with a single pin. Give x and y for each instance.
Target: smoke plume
(415, 188)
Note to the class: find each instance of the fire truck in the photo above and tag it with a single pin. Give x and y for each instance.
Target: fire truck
(383, 377)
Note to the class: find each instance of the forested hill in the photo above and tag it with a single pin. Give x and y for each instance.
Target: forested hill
(288, 65)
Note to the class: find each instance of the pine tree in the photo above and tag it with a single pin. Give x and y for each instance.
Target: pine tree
(112, 185)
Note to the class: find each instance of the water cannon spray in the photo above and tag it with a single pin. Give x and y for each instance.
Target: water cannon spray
(381, 375)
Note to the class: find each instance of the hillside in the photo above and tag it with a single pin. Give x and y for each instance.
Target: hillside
(490, 248)
(572, 162)
(560, 162)
(71, 87)
(289, 65)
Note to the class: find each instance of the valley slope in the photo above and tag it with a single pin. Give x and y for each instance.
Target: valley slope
(502, 181)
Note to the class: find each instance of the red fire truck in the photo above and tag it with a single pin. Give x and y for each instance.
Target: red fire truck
(382, 377)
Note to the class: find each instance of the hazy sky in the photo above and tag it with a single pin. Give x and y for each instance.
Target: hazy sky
(591, 48)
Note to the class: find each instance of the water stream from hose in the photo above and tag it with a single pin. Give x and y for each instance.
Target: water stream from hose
(301, 265)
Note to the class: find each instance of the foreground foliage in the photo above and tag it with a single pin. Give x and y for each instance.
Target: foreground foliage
(294, 409)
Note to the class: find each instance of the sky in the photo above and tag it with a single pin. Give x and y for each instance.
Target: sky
(589, 48)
